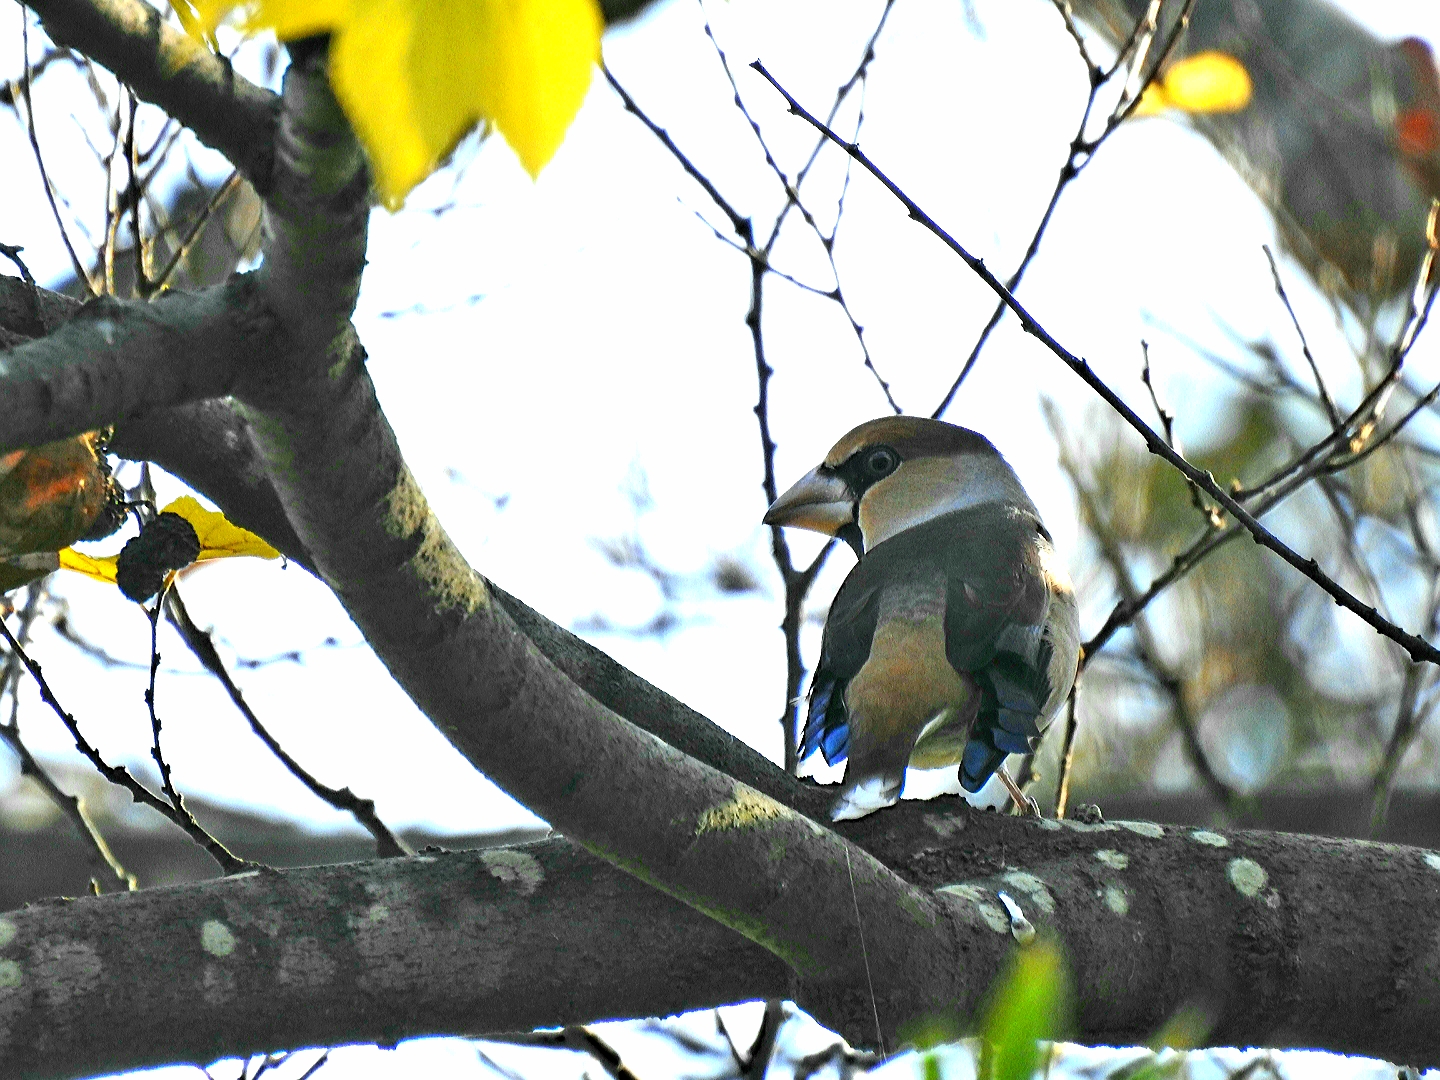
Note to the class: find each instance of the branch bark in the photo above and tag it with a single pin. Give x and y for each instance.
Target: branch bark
(1256, 932)
(113, 360)
(494, 940)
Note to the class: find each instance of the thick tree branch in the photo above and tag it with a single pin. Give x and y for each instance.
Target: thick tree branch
(169, 69)
(118, 359)
(494, 940)
(722, 846)
(1254, 931)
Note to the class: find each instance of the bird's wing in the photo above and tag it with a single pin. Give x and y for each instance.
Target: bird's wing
(1002, 627)
(849, 630)
(1011, 622)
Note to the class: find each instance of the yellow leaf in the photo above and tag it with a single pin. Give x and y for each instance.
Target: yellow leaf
(219, 539)
(101, 569)
(413, 76)
(1208, 82)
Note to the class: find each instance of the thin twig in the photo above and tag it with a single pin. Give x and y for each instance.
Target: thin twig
(1418, 648)
(1081, 153)
(1329, 403)
(103, 863)
(162, 280)
(1167, 426)
(387, 845)
(119, 775)
(80, 272)
(1067, 751)
(156, 754)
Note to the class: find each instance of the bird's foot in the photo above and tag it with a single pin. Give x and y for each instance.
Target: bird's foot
(1024, 804)
(871, 794)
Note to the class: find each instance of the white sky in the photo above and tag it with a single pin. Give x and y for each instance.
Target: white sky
(610, 337)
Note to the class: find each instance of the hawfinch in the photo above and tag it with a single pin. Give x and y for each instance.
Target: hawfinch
(956, 637)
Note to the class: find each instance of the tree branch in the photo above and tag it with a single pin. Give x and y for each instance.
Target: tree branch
(494, 940)
(169, 69)
(1254, 930)
(118, 359)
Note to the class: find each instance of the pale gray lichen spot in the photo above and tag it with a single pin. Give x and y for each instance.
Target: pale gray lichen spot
(375, 913)
(1032, 887)
(9, 975)
(942, 826)
(303, 963)
(1116, 860)
(990, 912)
(1212, 839)
(66, 969)
(514, 868)
(1247, 876)
(1431, 860)
(1049, 824)
(216, 938)
(1085, 826)
(217, 986)
(7, 932)
(1143, 828)
(1116, 899)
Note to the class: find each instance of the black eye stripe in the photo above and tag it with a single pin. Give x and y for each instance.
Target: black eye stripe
(881, 461)
(868, 466)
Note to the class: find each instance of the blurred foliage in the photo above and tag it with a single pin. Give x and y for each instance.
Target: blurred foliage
(1282, 687)
(1341, 137)
(215, 227)
(1242, 674)
(1030, 1004)
(50, 497)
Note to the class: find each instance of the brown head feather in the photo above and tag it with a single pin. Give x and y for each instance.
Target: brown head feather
(911, 437)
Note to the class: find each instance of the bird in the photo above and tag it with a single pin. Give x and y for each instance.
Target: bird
(955, 639)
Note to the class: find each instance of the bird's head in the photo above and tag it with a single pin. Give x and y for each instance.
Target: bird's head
(890, 474)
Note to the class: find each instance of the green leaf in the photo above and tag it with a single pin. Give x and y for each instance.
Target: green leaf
(1031, 1002)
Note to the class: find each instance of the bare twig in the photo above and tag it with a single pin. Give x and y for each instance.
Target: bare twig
(1329, 403)
(200, 643)
(1417, 647)
(162, 280)
(79, 268)
(119, 775)
(576, 1037)
(1067, 751)
(104, 865)
(1081, 152)
(1167, 425)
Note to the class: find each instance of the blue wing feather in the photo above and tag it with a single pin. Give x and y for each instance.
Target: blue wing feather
(827, 725)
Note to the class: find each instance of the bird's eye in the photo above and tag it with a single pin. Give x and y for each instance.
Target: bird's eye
(881, 461)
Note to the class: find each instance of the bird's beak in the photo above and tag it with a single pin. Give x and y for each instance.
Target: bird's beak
(819, 502)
